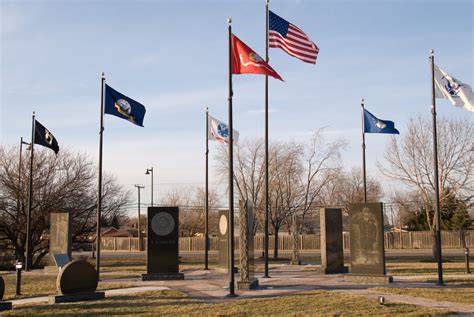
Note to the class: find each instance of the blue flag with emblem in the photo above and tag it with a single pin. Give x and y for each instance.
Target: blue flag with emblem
(123, 107)
(374, 125)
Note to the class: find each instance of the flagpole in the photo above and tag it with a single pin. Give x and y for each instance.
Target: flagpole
(435, 163)
(28, 260)
(266, 235)
(364, 176)
(99, 195)
(231, 172)
(206, 213)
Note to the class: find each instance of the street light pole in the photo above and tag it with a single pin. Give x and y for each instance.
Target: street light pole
(150, 171)
(139, 229)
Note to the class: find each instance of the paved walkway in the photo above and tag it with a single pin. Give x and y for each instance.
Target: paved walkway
(212, 286)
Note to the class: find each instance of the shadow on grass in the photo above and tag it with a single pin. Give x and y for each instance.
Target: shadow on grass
(121, 305)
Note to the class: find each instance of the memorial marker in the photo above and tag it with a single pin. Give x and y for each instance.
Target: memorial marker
(332, 253)
(60, 241)
(224, 239)
(367, 245)
(77, 281)
(247, 262)
(162, 261)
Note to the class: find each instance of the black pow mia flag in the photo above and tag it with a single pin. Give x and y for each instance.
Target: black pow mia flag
(45, 138)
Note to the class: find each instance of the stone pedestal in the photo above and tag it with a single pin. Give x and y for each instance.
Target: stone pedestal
(368, 279)
(55, 299)
(162, 276)
(223, 243)
(332, 252)
(162, 262)
(5, 305)
(247, 285)
(60, 240)
(367, 245)
(247, 262)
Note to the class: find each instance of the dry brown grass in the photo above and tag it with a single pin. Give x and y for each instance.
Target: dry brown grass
(177, 304)
(456, 295)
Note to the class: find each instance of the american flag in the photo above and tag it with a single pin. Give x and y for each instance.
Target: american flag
(291, 39)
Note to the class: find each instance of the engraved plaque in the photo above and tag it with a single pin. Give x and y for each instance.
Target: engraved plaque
(162, 224)
(366, 239)
(61, 259)
(223, 224)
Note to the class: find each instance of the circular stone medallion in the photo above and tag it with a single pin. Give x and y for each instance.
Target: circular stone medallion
(2, 287)
(162, 224)
(223, 224)
(77, 277)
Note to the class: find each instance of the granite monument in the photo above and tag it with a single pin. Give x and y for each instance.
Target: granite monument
(162, 262)
(367, 244)
(76, 281)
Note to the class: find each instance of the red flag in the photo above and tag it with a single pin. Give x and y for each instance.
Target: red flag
(246, 61)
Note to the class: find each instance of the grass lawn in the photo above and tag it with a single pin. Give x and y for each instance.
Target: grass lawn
(424, 268)
(176, 303)
(456, 295)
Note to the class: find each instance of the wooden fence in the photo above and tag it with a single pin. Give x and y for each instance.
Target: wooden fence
(309, 242)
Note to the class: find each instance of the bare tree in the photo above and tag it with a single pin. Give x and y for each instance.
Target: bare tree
(65, 182)
(249, 174)
(410, 160)
(191, 202)
(298, 172)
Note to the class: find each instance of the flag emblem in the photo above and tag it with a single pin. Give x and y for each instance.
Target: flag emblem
(452, 87)
(380, 124)
(282, 34)
(222, 130)
(48, 137)
(219, 131)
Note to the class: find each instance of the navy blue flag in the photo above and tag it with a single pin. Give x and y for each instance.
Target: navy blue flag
(374, 125)
(123, 107)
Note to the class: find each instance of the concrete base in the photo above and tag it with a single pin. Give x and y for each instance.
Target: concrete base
(5, 305)
(51, 269)
(247, 285)
(162, 276)
(368, 279)
(55, 299)
(338, 270)
(297, 262)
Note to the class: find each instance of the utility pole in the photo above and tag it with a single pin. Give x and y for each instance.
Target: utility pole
(139, 228)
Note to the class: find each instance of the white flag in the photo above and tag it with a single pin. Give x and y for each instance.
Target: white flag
(219, 131)
(448, 87)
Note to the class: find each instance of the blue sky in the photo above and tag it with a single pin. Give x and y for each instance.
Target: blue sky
(172, 57)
